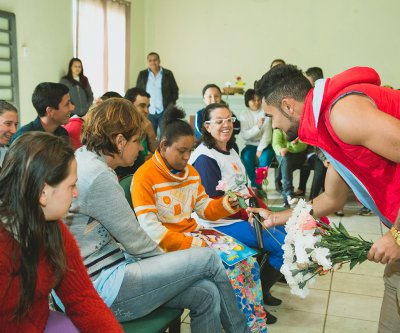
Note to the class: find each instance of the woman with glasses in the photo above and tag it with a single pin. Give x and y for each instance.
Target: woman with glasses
(215, 159)
(165, 192)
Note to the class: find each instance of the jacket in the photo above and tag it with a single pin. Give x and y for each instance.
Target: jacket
(170, 90)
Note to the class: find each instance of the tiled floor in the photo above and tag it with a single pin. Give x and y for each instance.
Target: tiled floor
(344, 301)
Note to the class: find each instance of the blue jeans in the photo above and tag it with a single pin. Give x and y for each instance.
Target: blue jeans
(288, 164)
(193, 279)
(248, 156)
(156, 120)
(244, 232)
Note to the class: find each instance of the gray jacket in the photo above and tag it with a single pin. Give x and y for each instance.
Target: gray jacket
(102, 220)
(81, 98)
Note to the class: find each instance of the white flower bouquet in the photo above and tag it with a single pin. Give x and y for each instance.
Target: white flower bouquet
(313, 248)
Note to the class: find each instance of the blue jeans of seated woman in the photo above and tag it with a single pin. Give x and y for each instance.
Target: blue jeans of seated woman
(244, 232)
(248, 157)
(194, 279)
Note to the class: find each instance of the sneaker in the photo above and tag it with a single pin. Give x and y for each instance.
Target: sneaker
(271, 300)
(271, 319)
(292, 200)
(365, 211)
(299, 193)
(285, 205)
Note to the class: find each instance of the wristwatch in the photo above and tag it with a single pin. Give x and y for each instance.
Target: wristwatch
(396, 235)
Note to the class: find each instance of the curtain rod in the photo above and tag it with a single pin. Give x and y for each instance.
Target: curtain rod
(122, 2)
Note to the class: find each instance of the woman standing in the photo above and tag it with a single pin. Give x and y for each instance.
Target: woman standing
(37, 252)
(79, 88)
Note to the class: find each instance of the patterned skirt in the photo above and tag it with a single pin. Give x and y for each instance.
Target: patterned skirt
(245, 280)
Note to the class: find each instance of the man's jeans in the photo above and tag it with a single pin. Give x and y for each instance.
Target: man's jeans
(193, 279)
(156, 120)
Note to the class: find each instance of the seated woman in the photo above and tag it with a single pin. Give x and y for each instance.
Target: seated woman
(127, 267)
(165, 192)
(256, 130)
(215, 159)
(37, 252)
(211, 94)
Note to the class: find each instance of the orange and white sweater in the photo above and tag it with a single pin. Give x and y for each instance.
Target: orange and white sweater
(164, 202)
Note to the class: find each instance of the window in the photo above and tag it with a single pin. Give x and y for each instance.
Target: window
(8, 59)
(102, 43)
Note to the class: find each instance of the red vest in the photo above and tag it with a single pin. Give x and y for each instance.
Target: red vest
(380, 176)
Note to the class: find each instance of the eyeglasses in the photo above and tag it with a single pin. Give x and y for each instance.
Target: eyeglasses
(221, 121)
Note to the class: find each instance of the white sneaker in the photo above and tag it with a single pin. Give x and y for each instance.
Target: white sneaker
(292, 201)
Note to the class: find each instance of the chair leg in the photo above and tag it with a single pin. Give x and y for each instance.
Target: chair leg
(175, 326)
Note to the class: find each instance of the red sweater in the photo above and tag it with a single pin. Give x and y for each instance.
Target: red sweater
(83, 304)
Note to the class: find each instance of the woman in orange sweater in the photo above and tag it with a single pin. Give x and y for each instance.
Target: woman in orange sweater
(166, 190)
(37, 252)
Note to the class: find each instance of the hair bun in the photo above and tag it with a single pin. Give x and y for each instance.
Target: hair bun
(173, 113)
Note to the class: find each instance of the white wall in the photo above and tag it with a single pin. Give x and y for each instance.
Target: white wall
(215, 40)
(45, 28)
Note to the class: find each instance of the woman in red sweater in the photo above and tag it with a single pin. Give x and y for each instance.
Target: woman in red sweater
(37, 252)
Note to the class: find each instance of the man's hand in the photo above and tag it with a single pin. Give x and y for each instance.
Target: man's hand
(284, 151)
(385, 250)
(269, 219)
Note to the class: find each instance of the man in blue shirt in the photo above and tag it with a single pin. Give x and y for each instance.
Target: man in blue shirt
(53, 106)
(160, 83)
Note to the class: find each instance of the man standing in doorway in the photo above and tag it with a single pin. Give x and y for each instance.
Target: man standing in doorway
(160, 83)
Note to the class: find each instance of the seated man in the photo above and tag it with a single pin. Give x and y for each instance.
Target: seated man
(290, 155)
(53, 106)
(141, 101)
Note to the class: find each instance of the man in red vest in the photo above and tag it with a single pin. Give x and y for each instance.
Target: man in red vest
(356, 123)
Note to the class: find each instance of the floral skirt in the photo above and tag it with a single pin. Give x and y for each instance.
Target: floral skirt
(245, 280)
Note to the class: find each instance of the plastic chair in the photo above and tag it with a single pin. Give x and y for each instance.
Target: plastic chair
(160, 319)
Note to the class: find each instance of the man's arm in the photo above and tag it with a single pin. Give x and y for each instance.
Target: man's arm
(357, 121)
(334, 197)
(332, 200)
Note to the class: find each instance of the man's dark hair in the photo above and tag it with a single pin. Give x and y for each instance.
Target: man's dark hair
(153, 53)
(110, 94)
(48, 94)
(132, 93)
(278, 61)
(210, 85)
(315, 73)
(284, 81)
(5, 106)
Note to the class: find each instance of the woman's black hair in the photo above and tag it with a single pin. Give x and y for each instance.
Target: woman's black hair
(248, 96)
(174, 126)
(206, 137)
(83, 80)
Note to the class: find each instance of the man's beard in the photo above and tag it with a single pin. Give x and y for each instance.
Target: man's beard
(293, 132)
